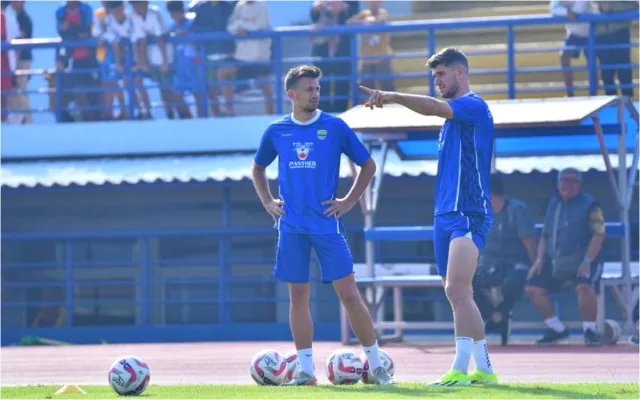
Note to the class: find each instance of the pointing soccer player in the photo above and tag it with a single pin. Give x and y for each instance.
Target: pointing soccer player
(308, 213)
(463, 213)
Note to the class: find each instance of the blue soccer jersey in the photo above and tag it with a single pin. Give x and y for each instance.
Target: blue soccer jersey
(464, 163)
(309, 168)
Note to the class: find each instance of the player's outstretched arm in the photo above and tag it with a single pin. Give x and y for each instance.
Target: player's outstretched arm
(339, 207)
(425, 105)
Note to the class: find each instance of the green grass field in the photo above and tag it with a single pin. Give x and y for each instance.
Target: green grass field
(401, 391)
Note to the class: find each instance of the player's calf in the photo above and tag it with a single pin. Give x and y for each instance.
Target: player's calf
(362, 325)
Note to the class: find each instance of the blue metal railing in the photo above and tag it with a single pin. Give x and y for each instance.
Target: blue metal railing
(279, 63)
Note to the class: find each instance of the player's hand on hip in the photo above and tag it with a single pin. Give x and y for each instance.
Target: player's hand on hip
(275, 208)
(377, 98)
(535, 269)
(337, 207)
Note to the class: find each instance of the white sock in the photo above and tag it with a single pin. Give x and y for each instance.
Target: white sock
(589, 326)
(373, 356)
(464, 346)
(481, 356)
(305, 360)
(555, 324)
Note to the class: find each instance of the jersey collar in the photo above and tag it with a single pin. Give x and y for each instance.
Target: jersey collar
(309, 122)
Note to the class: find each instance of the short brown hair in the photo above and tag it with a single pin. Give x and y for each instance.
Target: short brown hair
(447, 57)
(303, 71)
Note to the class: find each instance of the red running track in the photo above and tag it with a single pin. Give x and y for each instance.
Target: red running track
(218, 363)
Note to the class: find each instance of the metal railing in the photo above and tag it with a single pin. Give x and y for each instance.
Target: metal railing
(279, 63)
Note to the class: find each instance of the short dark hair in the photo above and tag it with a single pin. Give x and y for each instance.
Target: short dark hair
(495, 185)
(447, 57)
(571, 170)
(303, 71)
(175, 6)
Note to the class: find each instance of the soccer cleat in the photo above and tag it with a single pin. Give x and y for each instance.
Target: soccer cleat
(382, 377)
(302, 379)
(452, 378)
(552, 337)
(479, 377)
(633, 339)
(591, 338)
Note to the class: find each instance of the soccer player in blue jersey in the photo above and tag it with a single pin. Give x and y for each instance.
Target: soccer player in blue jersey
(463, 213)
(308, 213)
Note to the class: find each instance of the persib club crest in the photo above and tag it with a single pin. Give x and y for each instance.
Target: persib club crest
(322, 134)
(302, 151)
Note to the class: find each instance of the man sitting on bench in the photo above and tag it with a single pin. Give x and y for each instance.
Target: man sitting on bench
(509, 252)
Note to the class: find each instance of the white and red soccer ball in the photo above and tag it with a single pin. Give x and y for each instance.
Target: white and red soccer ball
(292, 366)
(387, 363)
(344, 367)
(268, 367)
(129, 375)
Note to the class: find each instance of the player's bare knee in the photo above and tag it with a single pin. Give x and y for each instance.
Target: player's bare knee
(457, 290)
(299, 295)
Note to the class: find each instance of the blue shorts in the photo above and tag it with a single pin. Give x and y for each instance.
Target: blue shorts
(294, 255)
(449, 226)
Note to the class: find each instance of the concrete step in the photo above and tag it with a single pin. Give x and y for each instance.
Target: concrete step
(499, 61)
(470, 7)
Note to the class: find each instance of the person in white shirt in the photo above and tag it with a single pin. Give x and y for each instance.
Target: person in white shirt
(254, 55)
(158, 56)
(577, 37)
(121, 25)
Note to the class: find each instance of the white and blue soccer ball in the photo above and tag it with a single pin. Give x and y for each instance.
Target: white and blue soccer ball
(129, 376)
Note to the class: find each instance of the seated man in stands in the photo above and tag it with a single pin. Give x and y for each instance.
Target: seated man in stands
(254, 55)
(504, 264)
(568, 249)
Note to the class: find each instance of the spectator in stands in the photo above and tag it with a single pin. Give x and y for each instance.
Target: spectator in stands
(577, 38)
(104, 56)
(185, 62)
(504, 264)
(615, 33)
(74, 20)
(568, 250)
(213, 16)
(157, 56)
(254, 55)
(122, 26)
(20, 101)
(326, 13)
(375, 44)
(8, 62)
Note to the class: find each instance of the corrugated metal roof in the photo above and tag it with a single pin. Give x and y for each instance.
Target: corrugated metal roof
(234, 167)
(506, 113)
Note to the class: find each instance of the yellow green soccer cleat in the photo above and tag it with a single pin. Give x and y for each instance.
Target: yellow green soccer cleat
(452, 378)
(482, 378)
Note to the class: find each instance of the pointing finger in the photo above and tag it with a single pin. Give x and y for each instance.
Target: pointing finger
(366, 89)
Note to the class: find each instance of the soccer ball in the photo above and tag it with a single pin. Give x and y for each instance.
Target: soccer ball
(387, 363)
(268, 367)
(129, 375)
(292, 366)
(344, 367)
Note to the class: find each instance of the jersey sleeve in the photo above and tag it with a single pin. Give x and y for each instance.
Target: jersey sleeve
(468, 108)
(266, 150)
(352, 146)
